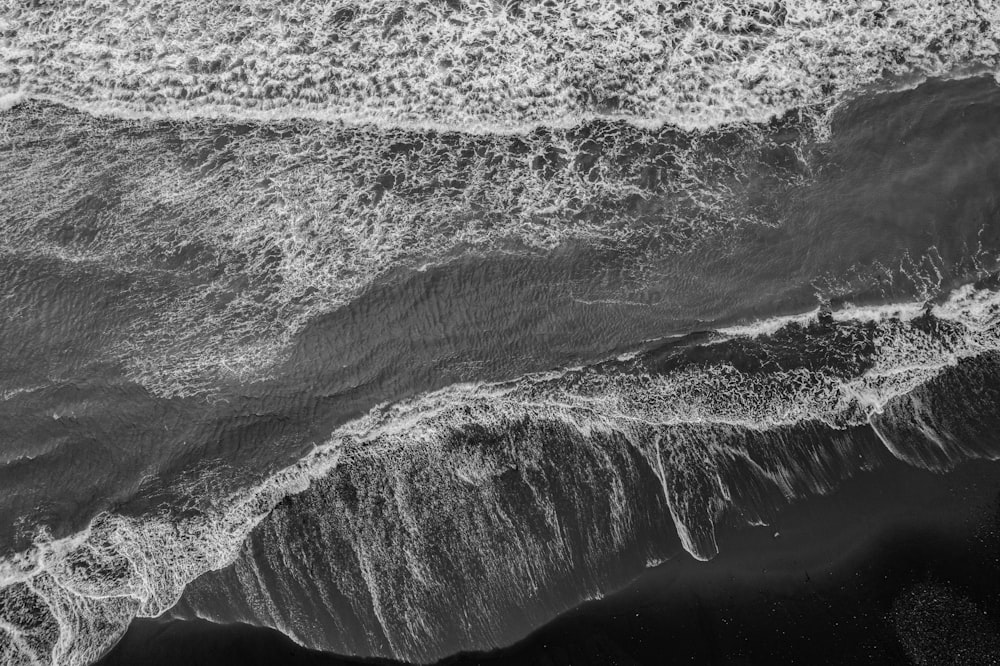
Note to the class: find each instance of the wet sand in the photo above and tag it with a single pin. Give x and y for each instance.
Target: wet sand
(899, 566)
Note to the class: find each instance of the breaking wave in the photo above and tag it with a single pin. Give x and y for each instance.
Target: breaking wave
(481, 65)
(223, 174)
(486, 497)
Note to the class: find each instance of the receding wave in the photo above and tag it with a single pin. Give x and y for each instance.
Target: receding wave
(502, 490)
(481, 65)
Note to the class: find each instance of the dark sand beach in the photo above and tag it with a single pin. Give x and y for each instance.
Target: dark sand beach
(899, 566)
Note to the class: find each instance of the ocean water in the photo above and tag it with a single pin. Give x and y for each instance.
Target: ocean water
(403, 328)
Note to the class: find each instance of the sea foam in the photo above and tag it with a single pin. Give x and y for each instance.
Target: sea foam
(477, 65)
(68, 600)
(385, 102)
(234, 236)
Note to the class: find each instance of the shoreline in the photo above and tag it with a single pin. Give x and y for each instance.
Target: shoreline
(846, 576)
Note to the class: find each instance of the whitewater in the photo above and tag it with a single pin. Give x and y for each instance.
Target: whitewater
(72, 598)
(227, 174)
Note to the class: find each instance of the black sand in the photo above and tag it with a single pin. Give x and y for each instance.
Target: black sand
(897, 567)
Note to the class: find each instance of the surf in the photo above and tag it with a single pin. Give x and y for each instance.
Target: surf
(482, 67)
(685, 435)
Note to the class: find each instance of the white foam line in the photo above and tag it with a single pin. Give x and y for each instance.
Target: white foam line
(161, 555)
(770, 326)
(961, 298)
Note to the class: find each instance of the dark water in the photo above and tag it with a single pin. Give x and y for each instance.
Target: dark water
(144, 376)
